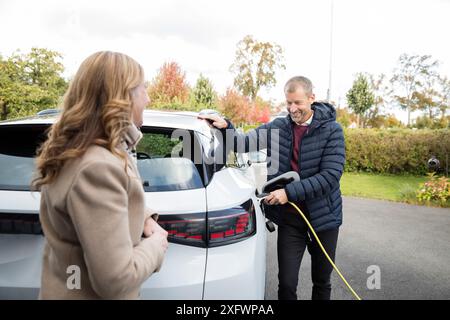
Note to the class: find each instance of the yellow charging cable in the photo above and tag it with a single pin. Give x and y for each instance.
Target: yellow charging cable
(324, 251)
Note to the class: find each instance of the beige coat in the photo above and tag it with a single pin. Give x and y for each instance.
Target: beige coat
(93, 218)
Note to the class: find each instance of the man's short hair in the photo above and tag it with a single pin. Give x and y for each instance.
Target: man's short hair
(294, 83)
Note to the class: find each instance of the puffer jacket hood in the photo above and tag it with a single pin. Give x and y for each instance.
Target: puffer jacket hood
(323, 113)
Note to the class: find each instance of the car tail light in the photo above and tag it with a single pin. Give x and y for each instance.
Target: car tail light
(231, 225)
(212, 229)
(189, 229)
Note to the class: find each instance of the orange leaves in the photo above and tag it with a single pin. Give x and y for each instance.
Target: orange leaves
(169, 86)
(240, 109)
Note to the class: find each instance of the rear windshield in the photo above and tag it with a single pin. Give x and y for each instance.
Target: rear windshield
(162, 166)
(160, 170)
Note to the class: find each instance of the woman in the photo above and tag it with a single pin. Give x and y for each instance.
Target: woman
(92, 202)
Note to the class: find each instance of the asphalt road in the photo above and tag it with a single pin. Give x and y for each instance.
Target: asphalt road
(410, 245)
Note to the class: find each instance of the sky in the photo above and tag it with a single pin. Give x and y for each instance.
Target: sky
(201, 35)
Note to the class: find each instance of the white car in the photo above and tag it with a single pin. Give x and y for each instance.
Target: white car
(216, 229)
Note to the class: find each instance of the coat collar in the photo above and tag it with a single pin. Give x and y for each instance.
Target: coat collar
(131, 137)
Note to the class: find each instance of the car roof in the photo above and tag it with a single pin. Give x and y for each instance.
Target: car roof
(152, 118)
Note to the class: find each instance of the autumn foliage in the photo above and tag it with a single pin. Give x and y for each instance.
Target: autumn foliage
(259, 112)
(169, 88)
(241, 110)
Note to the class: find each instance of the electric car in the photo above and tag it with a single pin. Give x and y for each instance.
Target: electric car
(217, 233)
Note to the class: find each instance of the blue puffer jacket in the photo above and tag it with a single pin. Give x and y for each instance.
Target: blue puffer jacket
(321, 163)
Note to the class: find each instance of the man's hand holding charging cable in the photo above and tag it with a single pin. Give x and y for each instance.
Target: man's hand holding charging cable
(277, 197)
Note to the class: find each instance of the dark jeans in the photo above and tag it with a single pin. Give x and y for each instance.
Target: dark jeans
(293, 239)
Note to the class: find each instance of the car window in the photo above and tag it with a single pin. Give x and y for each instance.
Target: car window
(164, 166)
(169, 174)
(161, 162)
(18, 146)
(15, 172)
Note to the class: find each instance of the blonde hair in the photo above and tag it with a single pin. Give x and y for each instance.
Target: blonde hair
(96, 110)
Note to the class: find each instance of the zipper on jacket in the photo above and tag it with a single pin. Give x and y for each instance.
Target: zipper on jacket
(300, 154)
(291, 147)
(300, 147)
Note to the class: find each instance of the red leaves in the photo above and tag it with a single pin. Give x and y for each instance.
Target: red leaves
(169, 86)
(240, 109)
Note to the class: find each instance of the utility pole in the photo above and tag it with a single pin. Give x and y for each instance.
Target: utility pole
(331, 52)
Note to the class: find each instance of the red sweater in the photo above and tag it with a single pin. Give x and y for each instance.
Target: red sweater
(298, 133)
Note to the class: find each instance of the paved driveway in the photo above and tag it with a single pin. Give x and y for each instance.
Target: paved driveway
(410, 245)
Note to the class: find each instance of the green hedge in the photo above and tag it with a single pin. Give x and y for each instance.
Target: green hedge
(395, 151)
(156, 145)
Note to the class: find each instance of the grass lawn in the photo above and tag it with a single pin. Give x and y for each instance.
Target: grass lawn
(385, 187)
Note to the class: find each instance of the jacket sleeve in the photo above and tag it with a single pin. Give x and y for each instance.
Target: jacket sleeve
(330, 172)
(150, 213)
(256, 139)
(98, 206)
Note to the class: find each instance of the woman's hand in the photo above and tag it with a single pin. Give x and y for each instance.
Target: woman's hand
(160, 239)
(151, 226)
(153, 230)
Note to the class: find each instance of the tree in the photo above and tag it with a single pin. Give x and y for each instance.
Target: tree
(259, 112)
(42, 68)
(203, 94)
(255, 65)
(409, 77)
(169, 89)
(382, 91)
(425, 99)
(443, 102)
(360, 97)
(384, 121)
(30, 82)
(235, 106)
(426, 122)
(344, 117)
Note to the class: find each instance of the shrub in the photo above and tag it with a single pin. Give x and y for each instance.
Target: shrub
(435, 189)
(408, 193)
(438, 123)
(396, 151)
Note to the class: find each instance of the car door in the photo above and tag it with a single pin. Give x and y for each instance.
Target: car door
(236, 265)
(174, 187)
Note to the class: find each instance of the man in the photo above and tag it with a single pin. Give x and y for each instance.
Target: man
(311, 142)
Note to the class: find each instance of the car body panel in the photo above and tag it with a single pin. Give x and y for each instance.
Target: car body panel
(188, 272)
(238, 270)
(173, 281)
